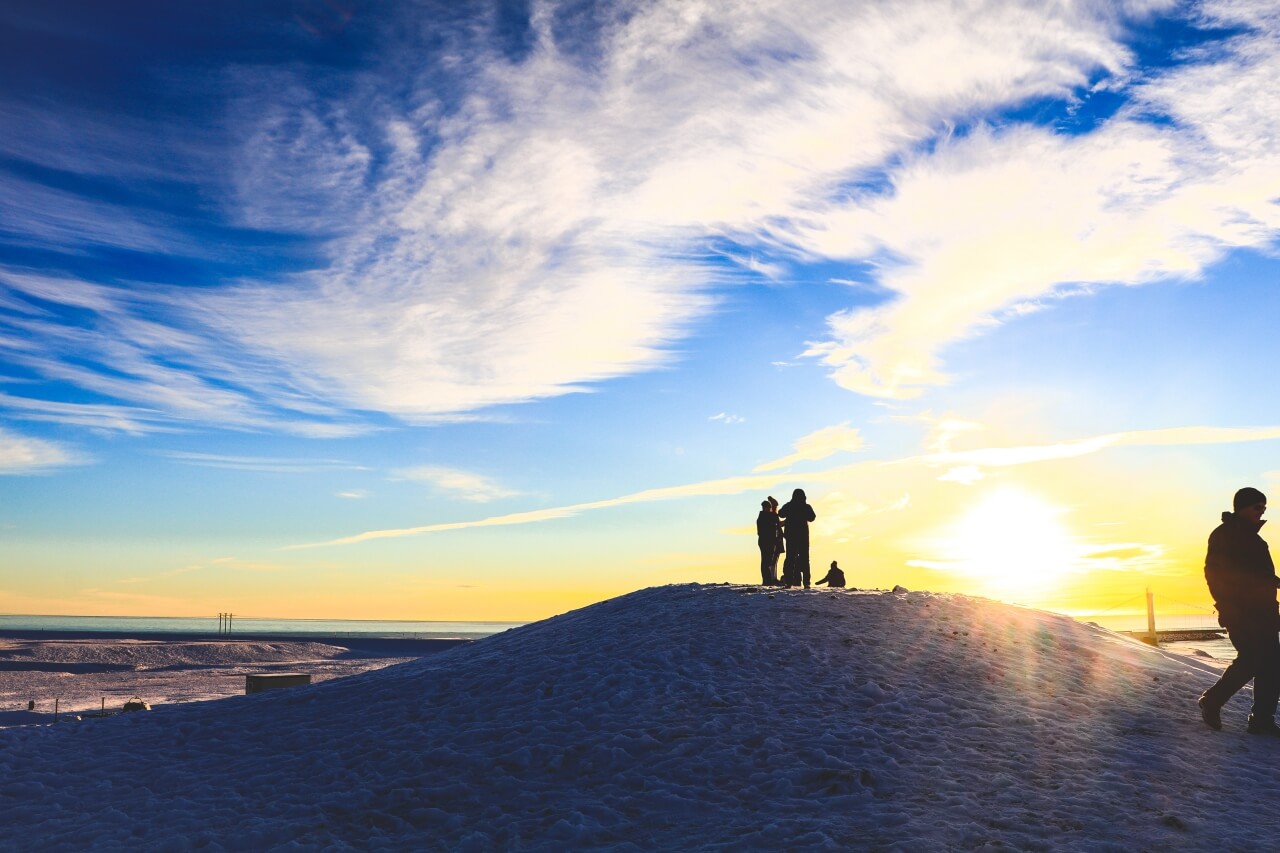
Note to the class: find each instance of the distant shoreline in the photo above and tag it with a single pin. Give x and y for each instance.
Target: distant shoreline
(363, 642)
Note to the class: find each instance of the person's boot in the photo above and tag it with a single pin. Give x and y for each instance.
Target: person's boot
(1210, 713)
(1263, 726)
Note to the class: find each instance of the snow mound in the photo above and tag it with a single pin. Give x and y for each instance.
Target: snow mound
(685, 717)
(155, 654)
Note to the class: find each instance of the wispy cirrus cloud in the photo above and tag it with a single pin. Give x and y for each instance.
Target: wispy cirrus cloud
(727, 486)
(984, 224)
(825, 442)
(21, 454)
(264, 464)
(518, 228)
(465, 485)
(762, 483)
(1000, 457)
(99, 416)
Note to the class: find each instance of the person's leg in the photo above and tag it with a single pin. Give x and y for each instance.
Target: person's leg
(804, 569)
(765, 560)
(1241, 670)
(1266, 683)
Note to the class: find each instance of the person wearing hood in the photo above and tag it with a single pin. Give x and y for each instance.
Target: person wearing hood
(796, 515)
(1242, 580)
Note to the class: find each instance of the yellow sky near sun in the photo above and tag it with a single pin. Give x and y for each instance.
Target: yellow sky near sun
(1082, 526)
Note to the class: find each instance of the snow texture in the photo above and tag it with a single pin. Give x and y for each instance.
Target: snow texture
(684, 718)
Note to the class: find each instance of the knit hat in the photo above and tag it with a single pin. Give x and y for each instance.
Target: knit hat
(1248, 496)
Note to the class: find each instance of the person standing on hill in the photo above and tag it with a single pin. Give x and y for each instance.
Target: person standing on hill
(780, 546)
(769, 538)
(796, 515)
(1242, 580)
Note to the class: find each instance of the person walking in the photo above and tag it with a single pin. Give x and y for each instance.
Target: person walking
(1242, 580)
(796, 515)
(768, 537)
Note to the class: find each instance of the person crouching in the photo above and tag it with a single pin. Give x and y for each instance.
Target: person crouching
(834, 578)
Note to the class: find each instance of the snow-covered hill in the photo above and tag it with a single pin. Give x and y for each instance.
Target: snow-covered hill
(684, 718)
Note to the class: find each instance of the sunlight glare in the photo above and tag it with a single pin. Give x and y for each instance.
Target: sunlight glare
(1012, 543)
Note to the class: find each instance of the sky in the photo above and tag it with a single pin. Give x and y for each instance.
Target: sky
(487, 311)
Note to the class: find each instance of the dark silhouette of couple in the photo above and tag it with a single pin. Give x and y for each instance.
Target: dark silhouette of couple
(785, 530)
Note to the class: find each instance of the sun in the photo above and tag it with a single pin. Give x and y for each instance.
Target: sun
(1010, 543)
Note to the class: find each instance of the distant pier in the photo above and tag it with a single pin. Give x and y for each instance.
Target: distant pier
(1177, 636)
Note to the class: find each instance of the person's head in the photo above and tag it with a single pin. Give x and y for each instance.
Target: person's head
(766, 506)
(773, 502)
(798, 496)
(833, 565)
(1250, 503)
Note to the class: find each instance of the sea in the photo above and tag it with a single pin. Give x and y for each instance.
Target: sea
(253, 626)
(1218, 647)
(379, 629)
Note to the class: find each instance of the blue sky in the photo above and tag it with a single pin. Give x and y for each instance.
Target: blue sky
(489, 310)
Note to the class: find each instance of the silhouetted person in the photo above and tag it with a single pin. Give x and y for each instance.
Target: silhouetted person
(1242, 580)
(835, 577)
(781, 546)
(768, 537)
(796, 515)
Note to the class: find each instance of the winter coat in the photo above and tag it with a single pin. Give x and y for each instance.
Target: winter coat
(796, 516)
(1241, 577)
(768, 531)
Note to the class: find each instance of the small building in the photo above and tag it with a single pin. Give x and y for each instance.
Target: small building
(258, 682)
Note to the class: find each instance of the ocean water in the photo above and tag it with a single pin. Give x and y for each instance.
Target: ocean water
(253, 626)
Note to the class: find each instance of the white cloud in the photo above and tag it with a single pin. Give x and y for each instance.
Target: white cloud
(301, 159)
(820, 444)
(462, 484)
(99, 416)
(174, 372)
(965, 474)
(982, 225)
(25, 455)
(1000, 457)
(726, 418)
(263, 464)
(546, 229)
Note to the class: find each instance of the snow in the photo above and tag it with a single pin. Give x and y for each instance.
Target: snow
(86, 675)
(684, 717)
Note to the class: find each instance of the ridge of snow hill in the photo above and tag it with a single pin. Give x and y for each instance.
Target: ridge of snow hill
(684, 717)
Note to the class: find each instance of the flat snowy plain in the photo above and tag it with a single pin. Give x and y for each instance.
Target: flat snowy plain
(684, 718)
(88, 675)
